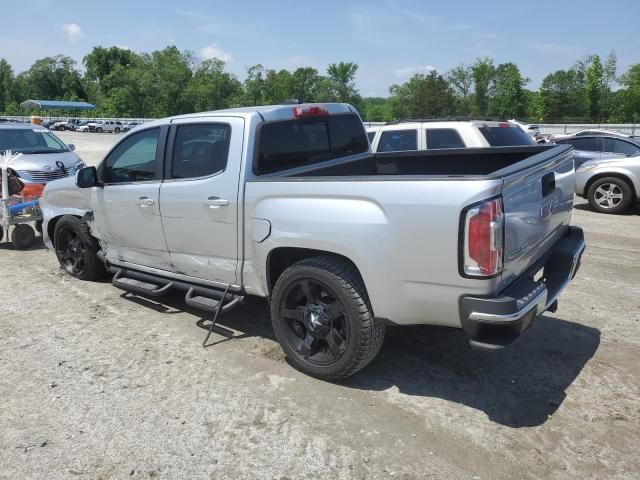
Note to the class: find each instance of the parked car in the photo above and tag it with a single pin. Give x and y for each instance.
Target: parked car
(129, 126)
(607, 170)
(107, 126)
(529, 129)
(48, 124)
(342, 241)
(590, 132)
(410, 135)
(61, 125)
(77, 127)
(44, 156)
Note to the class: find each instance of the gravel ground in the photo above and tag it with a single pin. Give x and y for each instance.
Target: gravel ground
(98, 384)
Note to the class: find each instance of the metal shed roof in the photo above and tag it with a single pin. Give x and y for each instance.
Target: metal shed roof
(57, 104)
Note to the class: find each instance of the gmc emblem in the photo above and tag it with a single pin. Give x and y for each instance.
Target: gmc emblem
(548, 207)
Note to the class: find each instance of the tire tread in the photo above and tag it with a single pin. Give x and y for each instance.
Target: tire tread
(348, 279)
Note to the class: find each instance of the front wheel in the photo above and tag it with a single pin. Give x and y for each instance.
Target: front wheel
(117, 130)
(99, 130)
(610, 195)
(76, 249)
(323, 320)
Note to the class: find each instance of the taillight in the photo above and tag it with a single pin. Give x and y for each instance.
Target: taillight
(504, 125)
(483, 239)
(302, 111)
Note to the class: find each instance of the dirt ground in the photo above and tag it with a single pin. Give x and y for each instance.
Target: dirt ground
(98, 384)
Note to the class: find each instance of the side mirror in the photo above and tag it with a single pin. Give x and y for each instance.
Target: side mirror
(71, 147)
(87, 177)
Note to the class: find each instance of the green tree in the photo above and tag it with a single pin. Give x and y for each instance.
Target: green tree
(594, 76)
(461, 80)
(482, 72)
(428, 95)
(342, 84)
(629, 96)
(376, 109)
(6, 84)
(254, 85)
(211, 88)
(54, 78)
(563, 96)
(507, 94)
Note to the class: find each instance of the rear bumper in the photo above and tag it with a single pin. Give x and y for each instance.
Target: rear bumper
(494, 323)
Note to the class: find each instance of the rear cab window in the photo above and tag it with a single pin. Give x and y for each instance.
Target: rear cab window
(398, 141)
(295, 143)
(200, 150)
(438, 138)
(504, 135)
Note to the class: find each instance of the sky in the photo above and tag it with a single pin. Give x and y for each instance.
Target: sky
(390, 40)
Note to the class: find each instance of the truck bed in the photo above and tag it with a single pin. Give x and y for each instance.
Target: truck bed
(494, 162)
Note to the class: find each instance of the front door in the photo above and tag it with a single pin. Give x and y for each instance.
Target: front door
(199, 197)
(126, 209)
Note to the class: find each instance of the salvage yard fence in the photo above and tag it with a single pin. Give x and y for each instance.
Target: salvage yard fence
(545, 128)
(556, 128)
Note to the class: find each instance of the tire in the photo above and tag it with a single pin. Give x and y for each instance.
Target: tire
(117, 130)
(1, 232)
(39, 226)
(76, 249)
(99, 130)
(22, 236)
(610, 195)
(323, 320)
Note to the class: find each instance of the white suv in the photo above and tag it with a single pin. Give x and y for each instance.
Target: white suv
(407, 135)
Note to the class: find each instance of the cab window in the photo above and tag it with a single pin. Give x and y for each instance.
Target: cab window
(200, 150)
(134, 159)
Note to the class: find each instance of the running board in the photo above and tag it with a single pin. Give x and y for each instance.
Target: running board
(212, 302)
(139, 286)
(197, 296)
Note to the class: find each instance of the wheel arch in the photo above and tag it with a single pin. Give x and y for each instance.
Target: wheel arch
(281, 258)
(51, 225)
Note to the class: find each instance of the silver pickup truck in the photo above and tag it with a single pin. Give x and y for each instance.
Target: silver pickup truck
(287, 202)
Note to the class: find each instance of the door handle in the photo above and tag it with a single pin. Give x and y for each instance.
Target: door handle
(146, 201)
(216, 202)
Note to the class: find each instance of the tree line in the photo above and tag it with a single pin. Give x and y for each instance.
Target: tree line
(123, 83)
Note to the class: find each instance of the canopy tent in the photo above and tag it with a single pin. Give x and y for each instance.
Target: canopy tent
(57, 105)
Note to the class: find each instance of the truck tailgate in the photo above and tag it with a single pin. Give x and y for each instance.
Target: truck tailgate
(537, 203)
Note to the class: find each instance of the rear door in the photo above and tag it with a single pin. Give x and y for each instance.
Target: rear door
(537, 205)
(199, 197)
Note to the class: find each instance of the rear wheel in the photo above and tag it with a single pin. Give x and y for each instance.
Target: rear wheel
(76, 249)
(610, 195)
(322, 318)
(99, 130)
(22, 236)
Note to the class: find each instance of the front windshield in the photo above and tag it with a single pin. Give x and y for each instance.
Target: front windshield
(30, 141)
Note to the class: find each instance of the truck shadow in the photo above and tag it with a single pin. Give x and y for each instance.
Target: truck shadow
(518, 387)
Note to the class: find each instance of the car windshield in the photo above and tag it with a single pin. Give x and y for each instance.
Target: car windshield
(30, 141)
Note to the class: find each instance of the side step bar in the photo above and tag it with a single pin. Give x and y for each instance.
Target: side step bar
(197, 296)
(140, 286)
(212, 303)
